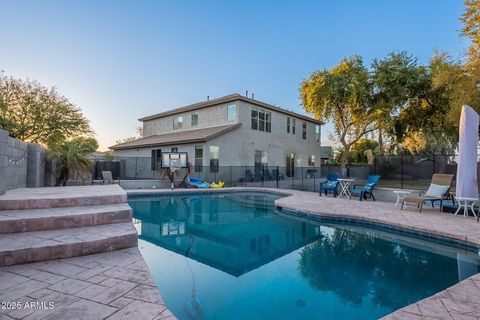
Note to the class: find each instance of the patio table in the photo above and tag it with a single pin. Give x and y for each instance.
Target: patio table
(345, 187)
(466, 203)
(401, 194)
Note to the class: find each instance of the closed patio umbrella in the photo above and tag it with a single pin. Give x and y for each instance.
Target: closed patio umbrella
(467, 159)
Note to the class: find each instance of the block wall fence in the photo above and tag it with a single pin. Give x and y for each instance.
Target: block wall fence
(21, 164)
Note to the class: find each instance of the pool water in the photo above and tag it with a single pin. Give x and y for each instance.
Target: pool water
(236, 256)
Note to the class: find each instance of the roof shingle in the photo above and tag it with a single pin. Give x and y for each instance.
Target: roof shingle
(180, 137)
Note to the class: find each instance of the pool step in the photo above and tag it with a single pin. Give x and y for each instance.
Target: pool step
(13, 221)
(26, 247)
(56, 197)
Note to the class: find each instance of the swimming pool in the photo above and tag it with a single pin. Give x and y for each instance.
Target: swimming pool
(236, 256)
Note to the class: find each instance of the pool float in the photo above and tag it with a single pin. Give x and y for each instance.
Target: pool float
(218, 185)
(199, 183)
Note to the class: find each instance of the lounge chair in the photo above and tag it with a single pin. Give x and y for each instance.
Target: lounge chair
(329, 185)
(107, 177)
(367, 188)
(438, 191)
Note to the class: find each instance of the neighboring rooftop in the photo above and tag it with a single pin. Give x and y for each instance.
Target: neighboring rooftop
(180, 137)
(226, 99)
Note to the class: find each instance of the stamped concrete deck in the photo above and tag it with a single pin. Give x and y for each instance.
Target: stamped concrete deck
(112, 285)
(90, 227)
(461, 301)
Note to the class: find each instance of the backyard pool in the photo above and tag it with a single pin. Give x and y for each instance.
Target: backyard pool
(236, 256)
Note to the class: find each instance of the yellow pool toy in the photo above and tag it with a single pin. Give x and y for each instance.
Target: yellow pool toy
(214, 185)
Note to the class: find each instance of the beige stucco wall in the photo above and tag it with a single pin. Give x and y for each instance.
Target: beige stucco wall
(207, 117)
(237, 148)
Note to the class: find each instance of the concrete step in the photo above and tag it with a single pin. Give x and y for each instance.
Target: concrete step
(13, 221)
(26, 247)
(56, 197)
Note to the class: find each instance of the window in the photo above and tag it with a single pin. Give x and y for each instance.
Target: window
(288, 124)
(317, 132)
(214, 161)
(261, 120)
(311, 160)
(194, 119)
(232, 112)
(268, 121)
(304, 131)
(174, 149)
(254, 119)
(178, 123)
(293, 126)
(198, 158)
(156, 159)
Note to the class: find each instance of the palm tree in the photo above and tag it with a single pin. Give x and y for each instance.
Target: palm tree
(71, 157)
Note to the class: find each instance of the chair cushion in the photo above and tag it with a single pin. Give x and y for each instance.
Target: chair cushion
(331, 184)
(436, 191)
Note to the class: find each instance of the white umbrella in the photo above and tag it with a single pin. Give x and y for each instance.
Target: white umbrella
(467, 158)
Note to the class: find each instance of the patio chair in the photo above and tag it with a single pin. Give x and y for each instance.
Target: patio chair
(438, 191)
(267, 175)
(107, 177)
(329, 185)
(248, 175)
(366, 188)
(276, 172)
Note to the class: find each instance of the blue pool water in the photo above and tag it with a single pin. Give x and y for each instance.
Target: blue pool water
(236, 256)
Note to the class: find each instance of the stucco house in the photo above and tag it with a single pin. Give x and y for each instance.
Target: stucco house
(233, 130)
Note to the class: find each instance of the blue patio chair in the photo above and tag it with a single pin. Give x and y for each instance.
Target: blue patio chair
(366, 188)
(329, 185)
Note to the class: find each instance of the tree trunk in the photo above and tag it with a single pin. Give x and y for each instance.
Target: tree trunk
(344, 160)
(380, 142)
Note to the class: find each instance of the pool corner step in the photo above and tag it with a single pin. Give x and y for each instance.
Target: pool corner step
(13, 221)
(27, 247)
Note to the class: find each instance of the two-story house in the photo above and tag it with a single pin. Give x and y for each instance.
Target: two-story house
(229, 131)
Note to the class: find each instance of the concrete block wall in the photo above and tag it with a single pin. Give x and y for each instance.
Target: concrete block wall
(21, 164)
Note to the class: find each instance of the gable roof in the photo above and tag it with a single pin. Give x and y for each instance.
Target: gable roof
(226, 99)
(180, 137)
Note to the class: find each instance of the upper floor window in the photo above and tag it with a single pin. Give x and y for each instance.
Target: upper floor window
(293, 126)
(288, 124)
(194, 119)
(178, 123)
(261, 120)
(232, 112)
(268, 121)
(174, 149)
(304, 131)
(254, 116)
(317, 132)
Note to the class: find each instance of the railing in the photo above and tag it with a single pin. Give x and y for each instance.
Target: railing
(401, 172)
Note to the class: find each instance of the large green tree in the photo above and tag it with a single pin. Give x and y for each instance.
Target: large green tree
(398, 79)
(342, 95)
(34, 113)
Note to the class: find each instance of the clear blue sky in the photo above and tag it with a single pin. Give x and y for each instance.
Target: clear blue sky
(121, 60)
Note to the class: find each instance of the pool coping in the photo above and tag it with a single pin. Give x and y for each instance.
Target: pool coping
(455, 302)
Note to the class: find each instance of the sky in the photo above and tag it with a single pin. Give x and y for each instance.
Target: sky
(122, 60)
